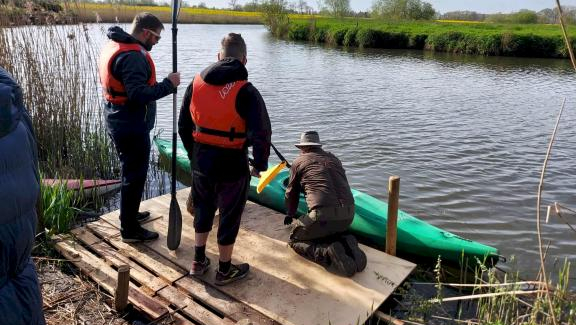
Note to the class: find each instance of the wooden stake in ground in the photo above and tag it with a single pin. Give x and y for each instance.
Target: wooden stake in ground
(121, 293)
(391, 231)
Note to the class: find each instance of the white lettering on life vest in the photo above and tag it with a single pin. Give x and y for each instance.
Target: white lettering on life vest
(226, 89)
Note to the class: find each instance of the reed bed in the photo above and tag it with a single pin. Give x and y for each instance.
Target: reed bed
(56, 67)
(439, 36)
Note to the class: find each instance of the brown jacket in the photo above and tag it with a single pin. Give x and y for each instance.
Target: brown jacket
(322, 178)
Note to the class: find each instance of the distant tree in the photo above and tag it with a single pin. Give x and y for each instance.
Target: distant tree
(525, 16)
(403, 9)
(202, 5)
(463, 15)
(275, 16)
(427, 12)
(252, 6)
(302, 6)
(233, 4)
(338, 8)
(547, 16)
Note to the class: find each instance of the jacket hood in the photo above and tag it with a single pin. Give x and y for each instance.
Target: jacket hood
(11, 103)
(117, 34)
(225, 71)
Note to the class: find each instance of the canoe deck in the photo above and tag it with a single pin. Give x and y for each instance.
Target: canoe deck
(281, 288)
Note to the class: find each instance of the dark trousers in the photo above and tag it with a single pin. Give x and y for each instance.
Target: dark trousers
(229, 197)
(134, 154)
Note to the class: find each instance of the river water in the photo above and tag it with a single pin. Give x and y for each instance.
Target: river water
(467, 135)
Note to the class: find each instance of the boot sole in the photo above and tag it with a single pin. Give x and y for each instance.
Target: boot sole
(341, 263)
(130, 240)
(359, 256)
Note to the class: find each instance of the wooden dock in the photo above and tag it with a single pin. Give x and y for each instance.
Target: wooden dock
(281, 288)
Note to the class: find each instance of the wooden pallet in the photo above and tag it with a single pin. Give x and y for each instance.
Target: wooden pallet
(158, 287)
(282, 287)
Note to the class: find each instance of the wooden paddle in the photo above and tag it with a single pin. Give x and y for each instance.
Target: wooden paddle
(175, 215)
(267, 176)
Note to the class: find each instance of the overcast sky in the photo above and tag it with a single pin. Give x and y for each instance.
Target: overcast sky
(481, 6)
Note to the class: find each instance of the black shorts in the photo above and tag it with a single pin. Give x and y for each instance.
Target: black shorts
(227, 196)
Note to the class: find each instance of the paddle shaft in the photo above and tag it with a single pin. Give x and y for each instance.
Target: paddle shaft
(175, 215)
(174, 97)
(280, 155)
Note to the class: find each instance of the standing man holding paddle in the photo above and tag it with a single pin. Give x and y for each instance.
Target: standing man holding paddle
(128, 77)
(221, 116)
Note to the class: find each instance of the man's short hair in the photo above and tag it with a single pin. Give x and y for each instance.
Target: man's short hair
(233, 45)
(145, 20)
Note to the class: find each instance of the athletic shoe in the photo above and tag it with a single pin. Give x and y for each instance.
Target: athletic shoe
(199, 268)
(353, 250)
(235, 273)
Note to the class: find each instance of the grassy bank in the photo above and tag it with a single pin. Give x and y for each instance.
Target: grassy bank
(441, 36)
(100, 12)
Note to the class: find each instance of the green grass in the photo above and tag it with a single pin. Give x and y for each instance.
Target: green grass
(453, 37)
(58, 208)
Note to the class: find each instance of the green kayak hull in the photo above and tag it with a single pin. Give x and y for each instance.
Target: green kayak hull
(415, 237)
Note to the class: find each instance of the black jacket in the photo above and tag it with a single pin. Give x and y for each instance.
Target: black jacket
(20, 299)
(221, 163)
(132, 69)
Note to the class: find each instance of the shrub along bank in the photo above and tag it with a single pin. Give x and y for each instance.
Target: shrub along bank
(453, 37)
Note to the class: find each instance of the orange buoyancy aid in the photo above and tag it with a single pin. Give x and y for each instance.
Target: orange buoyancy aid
(113, 89)
(213, 110)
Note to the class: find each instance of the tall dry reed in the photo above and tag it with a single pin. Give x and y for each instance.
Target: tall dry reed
(57, 69)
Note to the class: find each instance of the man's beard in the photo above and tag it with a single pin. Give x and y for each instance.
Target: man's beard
(148, 46)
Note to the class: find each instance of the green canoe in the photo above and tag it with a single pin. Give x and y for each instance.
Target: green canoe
(415, 237)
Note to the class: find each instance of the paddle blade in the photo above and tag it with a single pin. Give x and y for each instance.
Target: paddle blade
(267, 176)
(174, 224)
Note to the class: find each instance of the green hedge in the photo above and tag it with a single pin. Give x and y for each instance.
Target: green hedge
(476, 39)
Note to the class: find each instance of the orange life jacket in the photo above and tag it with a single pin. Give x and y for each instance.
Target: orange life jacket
(213, 110)
(113, 89)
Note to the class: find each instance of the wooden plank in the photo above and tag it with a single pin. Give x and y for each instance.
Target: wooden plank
(156, 263)
(191, 308)
(105, 276)
(149, 282)
(282, 285)
(156, 211)
(222, 302)
(85, 235)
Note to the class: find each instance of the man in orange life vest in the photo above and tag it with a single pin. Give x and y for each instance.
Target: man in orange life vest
(128, 78)
(221, 116)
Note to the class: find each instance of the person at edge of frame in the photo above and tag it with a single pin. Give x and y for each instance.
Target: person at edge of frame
(20, 295)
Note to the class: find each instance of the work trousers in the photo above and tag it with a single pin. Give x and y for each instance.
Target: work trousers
(134, 153)
(322, 223)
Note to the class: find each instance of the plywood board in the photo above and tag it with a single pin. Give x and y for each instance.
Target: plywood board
(282, 285)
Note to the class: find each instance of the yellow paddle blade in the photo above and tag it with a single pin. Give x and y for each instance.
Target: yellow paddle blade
(267, 176)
